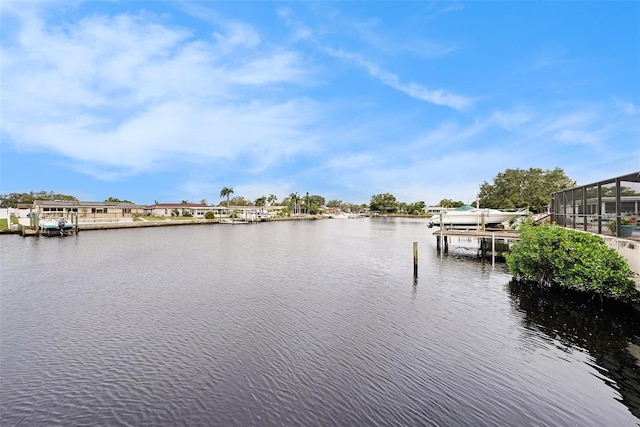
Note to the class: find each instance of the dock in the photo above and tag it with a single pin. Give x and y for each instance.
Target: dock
(496, 233)
(488, 239)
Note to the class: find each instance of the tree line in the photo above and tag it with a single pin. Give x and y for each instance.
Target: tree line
(12, 200)
(299, 204)
(513, 188)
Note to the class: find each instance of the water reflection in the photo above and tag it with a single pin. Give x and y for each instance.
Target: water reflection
(609, 332)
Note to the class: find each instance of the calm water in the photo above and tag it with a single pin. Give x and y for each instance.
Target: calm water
(307, 323)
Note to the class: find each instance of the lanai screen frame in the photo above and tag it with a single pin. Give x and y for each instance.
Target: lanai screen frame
(589, 207)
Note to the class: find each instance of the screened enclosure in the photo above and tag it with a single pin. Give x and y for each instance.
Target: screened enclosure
(606, 207)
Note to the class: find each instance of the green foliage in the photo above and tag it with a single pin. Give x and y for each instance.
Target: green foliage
(611, 191)
(313, 203)
(12, 199)
(260, 201)
(518, 188)
(240, 201)
(416, 208)
(293, 201)
(209, 215)
(552, 255)
(383, 202)
(116, 200)
(4, 224)
(449, 203)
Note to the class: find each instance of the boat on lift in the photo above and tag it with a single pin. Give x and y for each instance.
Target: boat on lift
(469, 217)
(55, 226)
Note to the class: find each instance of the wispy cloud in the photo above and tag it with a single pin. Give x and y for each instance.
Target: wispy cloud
(299, 30)
(414, 90)
(435, 9)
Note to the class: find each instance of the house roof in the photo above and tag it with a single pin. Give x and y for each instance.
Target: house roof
(75, 203)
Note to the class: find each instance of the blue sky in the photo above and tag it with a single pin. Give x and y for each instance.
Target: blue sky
(171, 101)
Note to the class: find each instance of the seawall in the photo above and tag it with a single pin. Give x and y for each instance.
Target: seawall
(630, 250)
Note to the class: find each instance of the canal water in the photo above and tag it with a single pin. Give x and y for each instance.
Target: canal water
(315, 323)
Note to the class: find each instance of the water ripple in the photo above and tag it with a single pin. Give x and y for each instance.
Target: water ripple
(289, 324)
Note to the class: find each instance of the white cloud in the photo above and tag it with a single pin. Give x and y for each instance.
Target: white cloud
(238, 35)
(299, 30)
(510, 121)
(121, 95)
(627, 107)
(578, 136)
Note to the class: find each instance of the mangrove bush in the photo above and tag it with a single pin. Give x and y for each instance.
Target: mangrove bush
(552, 255)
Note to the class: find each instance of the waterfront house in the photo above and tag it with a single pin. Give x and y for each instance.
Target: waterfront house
(86, 211)
(434, 210)
(196, 210)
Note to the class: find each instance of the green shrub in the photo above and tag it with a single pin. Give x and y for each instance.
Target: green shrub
(209, 215)
(552, 255)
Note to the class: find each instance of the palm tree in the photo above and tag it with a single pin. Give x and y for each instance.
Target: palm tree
(272, 199)
(226, 192)
(306, 203)
(294, 198)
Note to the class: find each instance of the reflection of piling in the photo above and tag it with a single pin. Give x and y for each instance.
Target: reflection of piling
(415, 260)
(493, 248)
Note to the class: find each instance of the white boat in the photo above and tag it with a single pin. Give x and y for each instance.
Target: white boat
(54, 226)
(343, 215)
(470, 217)
(340, 215)
(233, 221)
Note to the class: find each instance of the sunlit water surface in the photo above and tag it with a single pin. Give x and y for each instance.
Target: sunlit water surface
(298, 323)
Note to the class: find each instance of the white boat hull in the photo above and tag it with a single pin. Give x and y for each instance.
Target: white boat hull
(472, 218)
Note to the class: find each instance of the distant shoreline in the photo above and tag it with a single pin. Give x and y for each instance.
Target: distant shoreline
(174, 222)
(164, 223)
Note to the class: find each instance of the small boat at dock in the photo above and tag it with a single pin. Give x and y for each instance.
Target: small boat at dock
(55, 226)
(233, 221)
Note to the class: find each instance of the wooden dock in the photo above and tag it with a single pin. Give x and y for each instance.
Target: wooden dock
(487, 239)
(489, 233)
